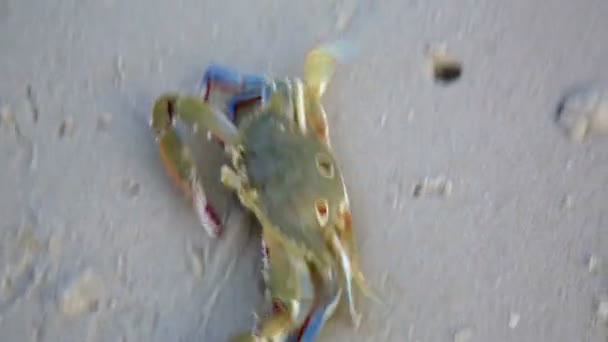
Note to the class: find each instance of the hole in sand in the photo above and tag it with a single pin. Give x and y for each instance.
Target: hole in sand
(446, 69)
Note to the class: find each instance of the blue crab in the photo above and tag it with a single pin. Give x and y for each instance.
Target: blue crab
(283, 170)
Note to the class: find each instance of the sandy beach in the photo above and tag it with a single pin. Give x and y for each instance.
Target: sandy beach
(478, 179)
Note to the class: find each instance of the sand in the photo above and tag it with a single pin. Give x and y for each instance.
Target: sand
(480, 200)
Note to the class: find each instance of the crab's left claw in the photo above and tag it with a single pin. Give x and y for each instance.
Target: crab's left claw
(177, 157)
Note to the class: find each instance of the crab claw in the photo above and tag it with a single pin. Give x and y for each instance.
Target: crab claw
(207, 215)
(176, 156)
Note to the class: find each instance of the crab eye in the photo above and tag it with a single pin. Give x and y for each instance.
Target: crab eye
(322, 211)
(324, 165)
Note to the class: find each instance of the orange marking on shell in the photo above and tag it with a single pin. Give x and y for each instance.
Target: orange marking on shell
(322, 210)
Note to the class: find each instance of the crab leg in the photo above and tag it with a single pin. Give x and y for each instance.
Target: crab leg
(348, 276)
(346, 240)
(343, 244)
(289, 288)
(177, 157)
(292, 91)
(315, 322)
(301, 293)
(318, 70)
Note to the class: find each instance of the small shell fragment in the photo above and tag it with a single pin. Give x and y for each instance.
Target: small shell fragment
(445, 68)
(83, 295)
(583, 112)
(514, 320)
(439, 186)
(593, 263)
(7, 117)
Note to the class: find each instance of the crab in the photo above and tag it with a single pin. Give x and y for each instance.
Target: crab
(284, 172)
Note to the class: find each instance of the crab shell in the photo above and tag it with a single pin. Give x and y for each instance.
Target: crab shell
(288, 177)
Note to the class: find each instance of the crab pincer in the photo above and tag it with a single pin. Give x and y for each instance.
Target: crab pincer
(177, 157)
